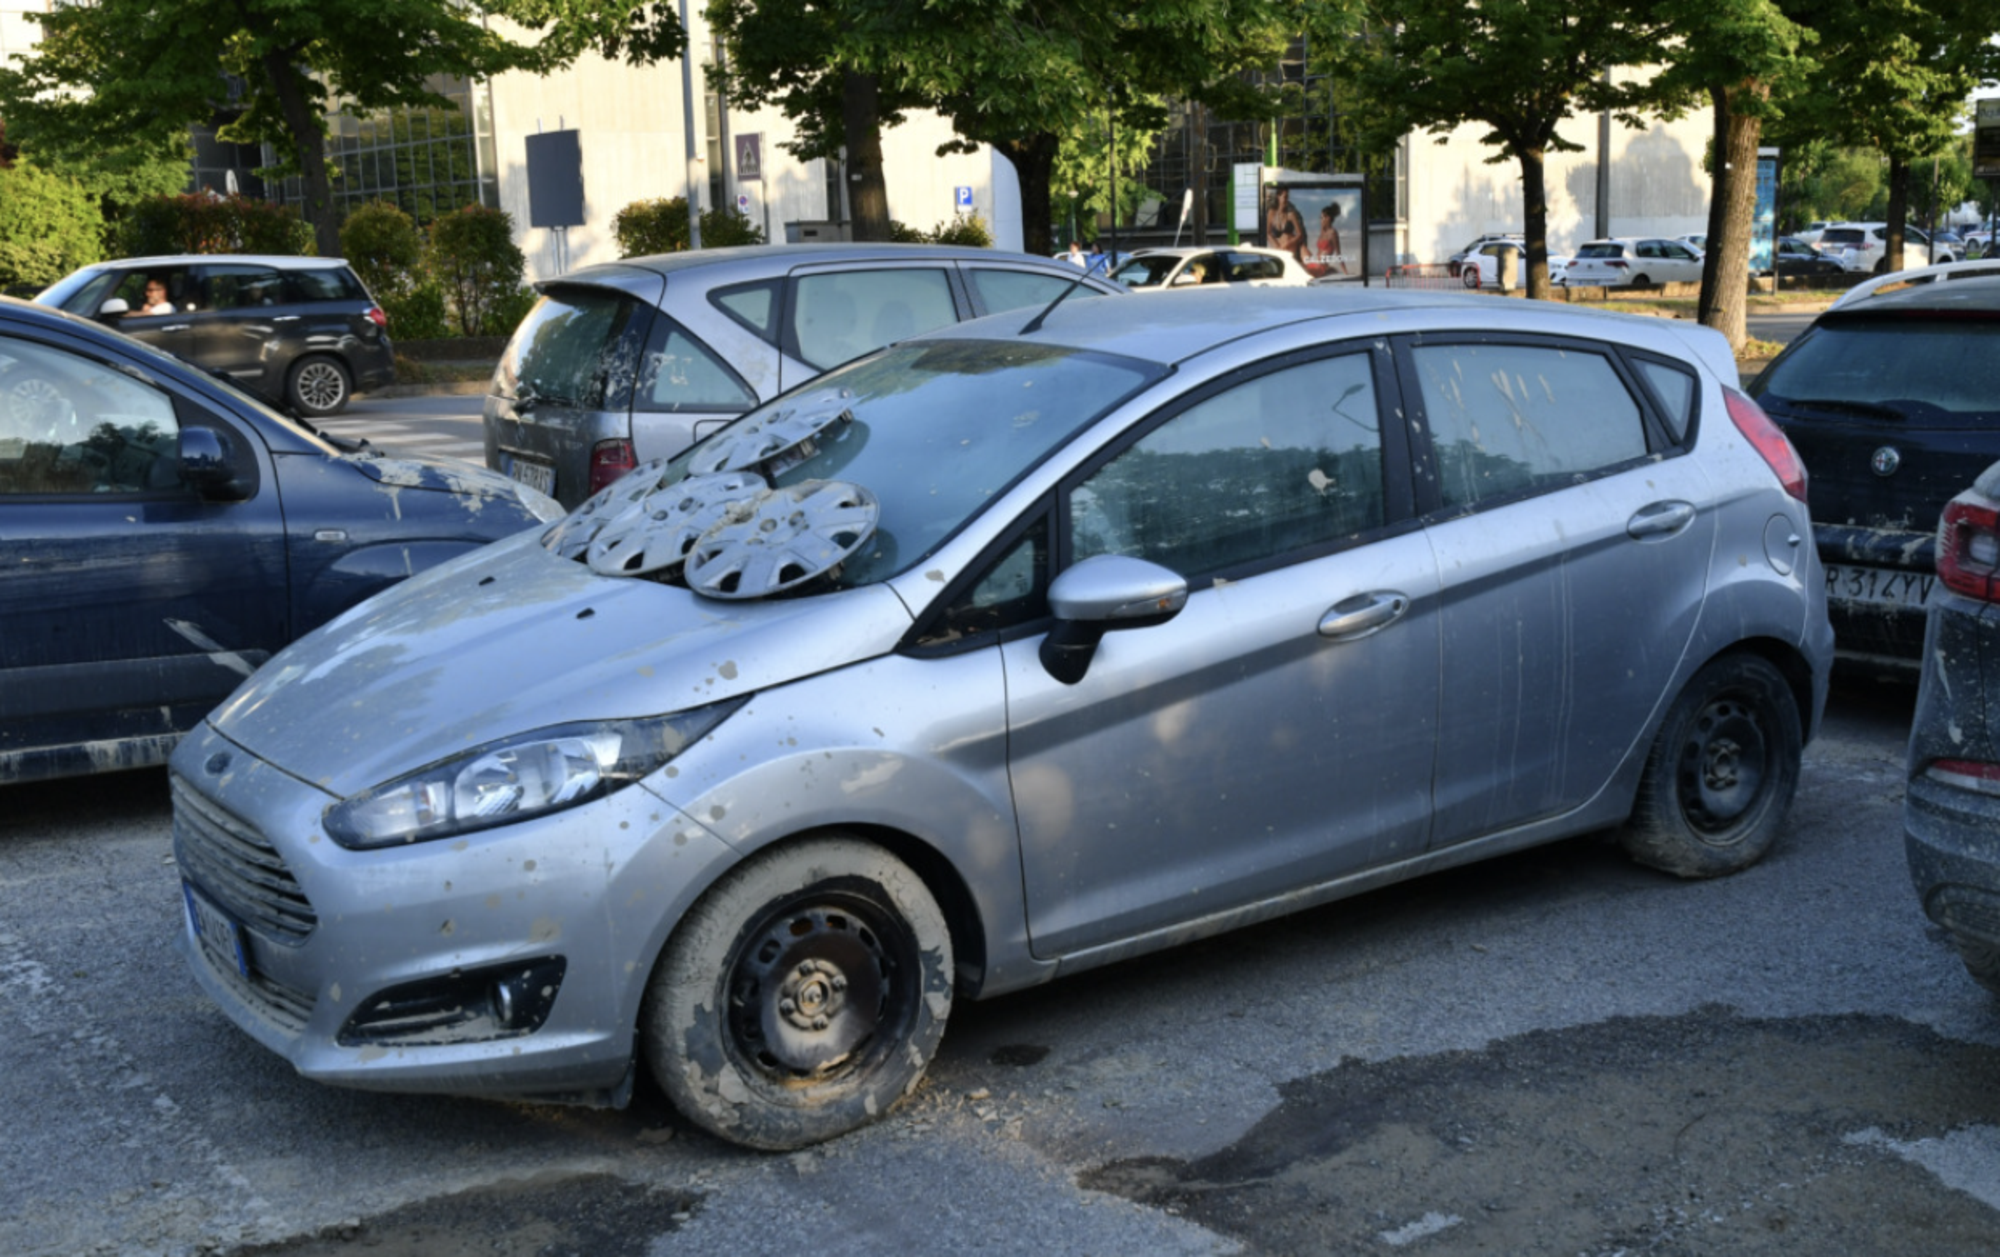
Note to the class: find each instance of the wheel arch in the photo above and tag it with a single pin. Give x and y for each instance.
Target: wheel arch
(1791, 664)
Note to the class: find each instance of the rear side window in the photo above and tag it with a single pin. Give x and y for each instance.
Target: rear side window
(1841, 235)
(843, 315)
(243, 287)
(755, 306)
(578, 347)
(1601, 251)
(1248, 266)
(681, 374)
(1675, 389)
(337, 284)
(999, 290)
(1512, 419)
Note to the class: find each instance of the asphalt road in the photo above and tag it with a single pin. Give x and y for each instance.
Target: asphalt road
(1557, 1052)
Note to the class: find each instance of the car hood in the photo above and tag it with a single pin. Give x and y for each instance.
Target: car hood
(513, 638)
(448, 475)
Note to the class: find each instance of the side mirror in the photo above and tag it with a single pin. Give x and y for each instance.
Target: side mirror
(113, 308)
(205, 466)
(1101, 594)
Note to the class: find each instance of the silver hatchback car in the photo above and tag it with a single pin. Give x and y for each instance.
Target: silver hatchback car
(1020, 648)
(635, 360)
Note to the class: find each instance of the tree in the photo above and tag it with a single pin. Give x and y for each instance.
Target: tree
(1518, 67)
(473, 254)
(1018, 75)
(110, 72)
(49, 226)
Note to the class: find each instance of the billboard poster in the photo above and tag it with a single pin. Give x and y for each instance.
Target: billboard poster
(1764, 218)
(1321, 224)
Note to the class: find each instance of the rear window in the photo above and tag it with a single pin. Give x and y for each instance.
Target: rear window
(1841, 235)
(335, 284)
(1248, 266)
(1601, 251)
(578, 347)
(1937, 373)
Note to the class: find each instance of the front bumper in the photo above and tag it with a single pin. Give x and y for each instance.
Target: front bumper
(597, 886)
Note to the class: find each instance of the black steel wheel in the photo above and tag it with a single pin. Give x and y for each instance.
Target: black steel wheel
(319, 386)
(802, 997)
(1721, 773)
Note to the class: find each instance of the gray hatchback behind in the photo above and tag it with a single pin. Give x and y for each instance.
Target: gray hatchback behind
(637, 359)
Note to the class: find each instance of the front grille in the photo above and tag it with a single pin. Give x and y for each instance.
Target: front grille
(239, 869)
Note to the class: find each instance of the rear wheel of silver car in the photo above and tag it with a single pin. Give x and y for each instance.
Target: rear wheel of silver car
(1982, 961)
(802, 996)
(1641, 280)
(1721, 773)
(319, 386)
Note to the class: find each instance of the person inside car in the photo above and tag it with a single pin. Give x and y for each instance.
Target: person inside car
(156, 299)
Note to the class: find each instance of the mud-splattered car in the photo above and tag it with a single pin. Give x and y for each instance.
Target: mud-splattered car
(1951, 812)
(165, 534)
(1893, 400)
(1015, 649)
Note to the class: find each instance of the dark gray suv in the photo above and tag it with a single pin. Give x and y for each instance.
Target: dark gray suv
(300, 331)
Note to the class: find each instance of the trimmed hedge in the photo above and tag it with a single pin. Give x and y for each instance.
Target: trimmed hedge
(661, 226)
(49, 226)
(473, 255)
(200, 222)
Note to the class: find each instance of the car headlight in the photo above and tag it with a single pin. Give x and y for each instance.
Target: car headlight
(530, 774)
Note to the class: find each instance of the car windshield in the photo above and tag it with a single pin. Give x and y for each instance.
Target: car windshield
(1601, 251)
(1145, 272)
(1938, 373)
(938, 430)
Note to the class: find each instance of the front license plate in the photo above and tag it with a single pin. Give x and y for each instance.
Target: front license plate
(220, 937)
(1887, 586)
(538, 476)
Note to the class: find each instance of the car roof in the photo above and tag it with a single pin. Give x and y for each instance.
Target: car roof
(1965, 288)
(275, 261)
(764, 260)
(1195, 322)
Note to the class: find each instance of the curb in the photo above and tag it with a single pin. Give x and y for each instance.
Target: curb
(446, 388)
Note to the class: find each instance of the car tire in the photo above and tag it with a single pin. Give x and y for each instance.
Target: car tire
(319, 385)
(1641, 280)
(802, 996)
(1982, 961)
(1469, 276)
(1721, 772)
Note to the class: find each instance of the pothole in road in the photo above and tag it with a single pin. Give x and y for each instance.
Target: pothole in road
(1697, 1134)
(593, 1215)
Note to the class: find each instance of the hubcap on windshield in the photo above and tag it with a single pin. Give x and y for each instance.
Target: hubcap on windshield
(1721, 769)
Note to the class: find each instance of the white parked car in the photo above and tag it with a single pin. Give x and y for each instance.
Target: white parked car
(1861, 247)
(1634, 261)
(1198, 266)
(1481, 267)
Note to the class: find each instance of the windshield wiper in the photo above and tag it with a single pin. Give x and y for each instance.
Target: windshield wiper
(1874, 410)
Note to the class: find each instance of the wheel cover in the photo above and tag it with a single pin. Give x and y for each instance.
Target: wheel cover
(782, 539)
(36, 403)
(1722, 770)
(820, 987)
(321, 385)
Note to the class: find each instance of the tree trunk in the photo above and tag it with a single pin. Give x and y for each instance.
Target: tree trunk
(861, 118)
(1534, 221)
(1718, 199)
(1034, 158)
(309, 146)
(1731, 284)
(1898, 213)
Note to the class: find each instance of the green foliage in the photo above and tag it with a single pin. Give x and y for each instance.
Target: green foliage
(1823, 183)
(1080, 184)
(381, 243)
(969, 230)
(510, 310)
(661, 226)
(201, 223)
(473, 254)
(416, 312)
(49, 226)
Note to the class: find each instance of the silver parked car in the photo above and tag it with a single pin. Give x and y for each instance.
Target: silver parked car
(1030, 645)
(634, 360)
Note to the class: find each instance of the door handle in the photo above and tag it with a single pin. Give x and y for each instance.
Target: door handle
(1661, 519)
(1357, 617)
(177, 327)
(285, 318)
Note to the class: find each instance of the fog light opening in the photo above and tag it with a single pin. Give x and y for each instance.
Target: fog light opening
(463, 1006)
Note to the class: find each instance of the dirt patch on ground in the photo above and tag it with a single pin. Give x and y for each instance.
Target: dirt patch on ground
(1699, 1134)
(550, 1216)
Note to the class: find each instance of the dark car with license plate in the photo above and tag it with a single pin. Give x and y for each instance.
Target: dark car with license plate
(1893, 401)
(1951, 808)
(165, 533)
(302, 332)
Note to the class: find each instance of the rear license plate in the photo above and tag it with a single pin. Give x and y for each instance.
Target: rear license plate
(538, 476)
(1887, 586)
(220, 937)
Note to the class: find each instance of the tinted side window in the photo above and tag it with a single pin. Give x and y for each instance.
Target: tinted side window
(1282, 462)
(69, 425)
(574, 349)
(1248, 266)
(243, 287)
(132, 289)
(755, 306)
(844, 315)
(329, 285)
(1508, 419)
(1675, 389)
(1000, 290)
(681, 373)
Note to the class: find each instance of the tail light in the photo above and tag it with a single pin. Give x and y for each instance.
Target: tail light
(608, 461)
(1769, 440)
(1617, 264)
(377, 315)
(1968, 550)
(1966, 774)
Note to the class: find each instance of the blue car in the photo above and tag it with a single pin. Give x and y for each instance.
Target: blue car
(163, 533)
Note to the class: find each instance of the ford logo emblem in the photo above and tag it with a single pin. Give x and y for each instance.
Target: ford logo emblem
(1885, 461)
(216, 763)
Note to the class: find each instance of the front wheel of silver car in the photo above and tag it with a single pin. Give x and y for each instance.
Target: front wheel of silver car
(1721, 773)
(802, 996)
(319, 386)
